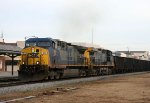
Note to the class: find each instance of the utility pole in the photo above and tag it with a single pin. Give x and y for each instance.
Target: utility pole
(128, 54)
(2, 34)
(92, 35)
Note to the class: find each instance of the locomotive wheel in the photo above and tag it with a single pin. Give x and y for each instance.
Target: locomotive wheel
(57, 76)
(98, 72)
(61, 75)
(51, 75)
(82, 73)
(109, 71)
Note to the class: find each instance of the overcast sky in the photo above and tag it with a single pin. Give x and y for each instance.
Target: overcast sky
(116, 24)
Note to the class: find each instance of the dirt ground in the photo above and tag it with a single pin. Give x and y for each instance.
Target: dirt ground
(128, 89)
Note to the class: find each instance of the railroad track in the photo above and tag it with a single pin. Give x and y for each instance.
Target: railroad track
(46, 84)
(7, 79)
(16, 82)
(8, 82)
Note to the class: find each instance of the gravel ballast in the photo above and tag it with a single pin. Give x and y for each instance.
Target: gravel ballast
(28, 87)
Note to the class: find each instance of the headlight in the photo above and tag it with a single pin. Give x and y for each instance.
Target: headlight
(23, 53)
(33, 50)
(37, 62)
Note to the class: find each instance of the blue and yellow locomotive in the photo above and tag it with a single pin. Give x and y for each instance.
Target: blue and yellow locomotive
(47, 58)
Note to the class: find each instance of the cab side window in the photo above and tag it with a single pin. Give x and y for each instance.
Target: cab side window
(53, 45)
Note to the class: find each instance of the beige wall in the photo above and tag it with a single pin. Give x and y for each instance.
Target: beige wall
(9, 67)
(2, 63)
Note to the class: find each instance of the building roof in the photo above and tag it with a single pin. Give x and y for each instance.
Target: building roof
(9, 49)
(132, 51)
(21, 44)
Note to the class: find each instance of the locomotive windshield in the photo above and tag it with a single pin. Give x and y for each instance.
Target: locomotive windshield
(30, 44)
(38, 44)
(44, 44)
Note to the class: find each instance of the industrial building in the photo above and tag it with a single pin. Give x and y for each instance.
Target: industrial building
(142, 55)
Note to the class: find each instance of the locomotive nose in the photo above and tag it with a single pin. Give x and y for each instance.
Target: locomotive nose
(35, 56)
(34, 64)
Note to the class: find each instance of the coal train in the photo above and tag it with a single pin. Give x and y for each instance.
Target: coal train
(47, 58)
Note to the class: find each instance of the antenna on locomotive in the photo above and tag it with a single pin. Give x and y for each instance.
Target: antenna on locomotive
(27, 37)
